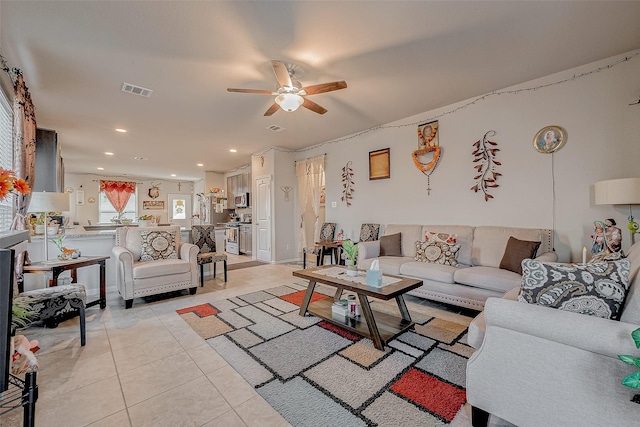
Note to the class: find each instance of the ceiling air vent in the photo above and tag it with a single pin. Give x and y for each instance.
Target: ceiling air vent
(275, 128)
(136, 90)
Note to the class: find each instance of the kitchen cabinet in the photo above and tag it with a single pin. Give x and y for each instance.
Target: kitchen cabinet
(49, 173)
(246, 239)
(231, 192)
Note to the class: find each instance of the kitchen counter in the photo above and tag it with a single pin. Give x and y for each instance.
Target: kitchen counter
(92, 243)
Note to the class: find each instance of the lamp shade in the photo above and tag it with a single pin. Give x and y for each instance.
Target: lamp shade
(625, 191)
(289, 101)
(49, 202)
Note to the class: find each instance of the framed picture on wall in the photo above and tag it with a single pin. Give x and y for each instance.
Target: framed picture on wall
(379, 165)
(153, 205)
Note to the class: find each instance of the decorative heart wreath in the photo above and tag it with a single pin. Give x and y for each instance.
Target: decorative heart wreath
(426, 146)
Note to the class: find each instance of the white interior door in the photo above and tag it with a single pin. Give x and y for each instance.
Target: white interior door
(262, 205)
(179, 209)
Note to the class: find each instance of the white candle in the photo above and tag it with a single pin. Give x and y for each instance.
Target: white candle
(584, 255)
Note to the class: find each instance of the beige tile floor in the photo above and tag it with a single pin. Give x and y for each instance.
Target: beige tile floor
(146, 367)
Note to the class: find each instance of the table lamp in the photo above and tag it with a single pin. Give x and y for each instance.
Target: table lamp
(45, 202)
(625, 191)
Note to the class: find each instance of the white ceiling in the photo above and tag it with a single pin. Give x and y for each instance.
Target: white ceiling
(398, 59)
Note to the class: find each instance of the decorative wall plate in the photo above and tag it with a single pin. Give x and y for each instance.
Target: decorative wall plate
(549, 139)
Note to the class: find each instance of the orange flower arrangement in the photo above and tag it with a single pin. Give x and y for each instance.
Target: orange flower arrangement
(9, 182)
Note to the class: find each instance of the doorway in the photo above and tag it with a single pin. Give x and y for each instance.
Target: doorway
(262, 205)
(179, 209)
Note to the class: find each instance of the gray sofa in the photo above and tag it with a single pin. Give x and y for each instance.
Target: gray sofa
(476, 278)
(538, 366)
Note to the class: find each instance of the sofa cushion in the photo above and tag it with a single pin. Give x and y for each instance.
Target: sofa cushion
(596, 289)
(437, 252)
(165, 267)
(631, 313)
(157, 245)
(490, 242)
(427, 271)
(388, 264)
(391, 245)
(516, 251)
(410, 234)
(490, 278)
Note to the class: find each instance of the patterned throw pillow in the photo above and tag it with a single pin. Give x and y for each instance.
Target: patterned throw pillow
(432, 236)
(158, 245)
(437, 252)
(595, 289)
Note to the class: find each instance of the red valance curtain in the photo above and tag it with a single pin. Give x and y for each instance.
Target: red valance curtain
(118, 193)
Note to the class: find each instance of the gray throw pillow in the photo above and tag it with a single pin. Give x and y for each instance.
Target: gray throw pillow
(515, 252)
(595, 289)
(391, 245)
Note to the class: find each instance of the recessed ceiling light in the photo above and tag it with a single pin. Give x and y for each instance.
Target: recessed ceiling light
(233, 150)
(100, 169)
(173, 174)
(121, 130)
(200, 164)
(108, 153)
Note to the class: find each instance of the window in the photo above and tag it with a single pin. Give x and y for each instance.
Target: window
(6, 157)
(107, 211)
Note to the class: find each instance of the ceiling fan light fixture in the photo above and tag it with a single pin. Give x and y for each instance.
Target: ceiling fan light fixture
(289, 101)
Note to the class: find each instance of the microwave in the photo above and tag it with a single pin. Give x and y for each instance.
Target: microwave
(242, 200)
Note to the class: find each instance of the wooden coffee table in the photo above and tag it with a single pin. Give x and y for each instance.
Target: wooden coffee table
(379, 327)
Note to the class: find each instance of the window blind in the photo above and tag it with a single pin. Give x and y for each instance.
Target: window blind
(6, 157)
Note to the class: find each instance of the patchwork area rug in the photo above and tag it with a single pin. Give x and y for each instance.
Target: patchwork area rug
(239, 265)
(317, 374)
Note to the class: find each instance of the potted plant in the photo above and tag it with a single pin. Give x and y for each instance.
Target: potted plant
(21, 314)
(632, 380)
(145, 220)
(351, 251)
(65, 253)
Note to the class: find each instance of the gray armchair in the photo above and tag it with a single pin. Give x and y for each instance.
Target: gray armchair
(538, 366)
(153, 260)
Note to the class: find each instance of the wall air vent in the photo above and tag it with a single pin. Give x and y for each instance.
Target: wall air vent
(136, 90)
(275, 128)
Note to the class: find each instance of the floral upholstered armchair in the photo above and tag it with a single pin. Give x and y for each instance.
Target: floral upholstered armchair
(153, 260)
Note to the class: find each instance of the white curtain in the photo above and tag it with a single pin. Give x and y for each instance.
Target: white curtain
(310, 175)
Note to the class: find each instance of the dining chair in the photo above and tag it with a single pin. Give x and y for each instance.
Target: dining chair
(203, 236)
(327, 232)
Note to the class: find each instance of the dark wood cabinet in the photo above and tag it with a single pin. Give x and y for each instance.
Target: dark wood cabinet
(49, 173)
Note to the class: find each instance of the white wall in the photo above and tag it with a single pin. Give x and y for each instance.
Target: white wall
(91, 186)
(602, 144)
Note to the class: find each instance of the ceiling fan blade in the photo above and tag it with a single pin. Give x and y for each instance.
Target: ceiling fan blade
(282, 74)
(275, 107)
(258, 91)
(325, 87)
(313, 106)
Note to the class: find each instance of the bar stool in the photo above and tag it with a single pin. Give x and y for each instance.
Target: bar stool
(214, 257)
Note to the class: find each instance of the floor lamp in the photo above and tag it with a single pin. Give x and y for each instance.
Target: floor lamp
(45, 202)
(625, 191)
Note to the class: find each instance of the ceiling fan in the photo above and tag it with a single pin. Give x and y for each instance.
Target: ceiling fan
(290, 94)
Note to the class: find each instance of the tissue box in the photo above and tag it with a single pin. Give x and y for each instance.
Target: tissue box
(374, 278)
